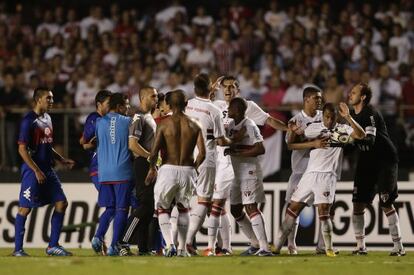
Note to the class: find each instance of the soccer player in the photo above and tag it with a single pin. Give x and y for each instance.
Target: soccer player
(177, 135)
(114, 164)
(225, 175)
(247, 188)
(88, 142)
(209, 116)
(141, 138)
(312, 101)
(376, 171)
(318, 183)
(40, 184)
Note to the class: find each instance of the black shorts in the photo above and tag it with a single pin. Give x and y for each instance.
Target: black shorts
(371, 179)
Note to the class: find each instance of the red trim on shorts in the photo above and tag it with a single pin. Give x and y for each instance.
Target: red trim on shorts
(92, 174)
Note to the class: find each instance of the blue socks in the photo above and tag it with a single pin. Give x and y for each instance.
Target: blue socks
(104, 221)
(56, 226)
(120, 221)
(19, 231)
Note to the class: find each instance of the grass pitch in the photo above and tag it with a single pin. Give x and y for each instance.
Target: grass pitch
(85, 262)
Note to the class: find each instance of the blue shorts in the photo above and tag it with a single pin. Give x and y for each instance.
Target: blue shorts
(115, 195)
(33, 194)
(106, 194)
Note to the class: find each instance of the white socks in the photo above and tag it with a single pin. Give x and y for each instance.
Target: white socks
(394, 226)
(213, 225)
(292, 235)
(225, 230)
(182, 228)
(165, 226)
(259, 229)
(246, 228)
(326, 226)
(358, 222)
(197, 216)
(285, 229)
(174, 221)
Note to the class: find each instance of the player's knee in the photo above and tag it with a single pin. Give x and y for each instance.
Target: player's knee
(251, 208)
(358, 207)
(61, 206)
(236, 211)
(110, 211)
(181, 208)
(23, 211)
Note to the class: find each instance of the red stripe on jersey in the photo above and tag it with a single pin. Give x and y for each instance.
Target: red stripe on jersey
(114, 182)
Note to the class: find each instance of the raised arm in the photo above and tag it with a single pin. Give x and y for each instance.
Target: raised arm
(358, 132)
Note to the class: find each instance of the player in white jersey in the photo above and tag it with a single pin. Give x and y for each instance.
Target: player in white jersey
(247, 188)
(225, 175)
(208, 115)
(300, 146)
(319, 180)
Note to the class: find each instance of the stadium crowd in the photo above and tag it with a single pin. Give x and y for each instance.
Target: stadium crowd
(273, 48)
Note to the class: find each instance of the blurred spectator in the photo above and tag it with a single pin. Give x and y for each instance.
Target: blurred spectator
(333, 92)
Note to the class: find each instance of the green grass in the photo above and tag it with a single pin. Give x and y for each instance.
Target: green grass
(85, 262)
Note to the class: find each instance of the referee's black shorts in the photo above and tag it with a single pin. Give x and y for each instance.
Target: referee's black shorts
(373, 178)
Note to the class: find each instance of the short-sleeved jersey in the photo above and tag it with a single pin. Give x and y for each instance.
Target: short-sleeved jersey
(114, 159)
(89, 131)
(251, 137)
(143, 128)
(36, 132)
(300, 158)
(253, 111)
(383, 149)
(326, 160)
(210, 118)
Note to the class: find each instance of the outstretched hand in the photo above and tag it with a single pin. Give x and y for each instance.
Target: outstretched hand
(295, 128)
(343, 109)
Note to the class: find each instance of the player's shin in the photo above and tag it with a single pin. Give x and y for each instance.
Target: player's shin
(197, 216)
(327, 228)
(19, 227)
(56, 227)
(285, 229)
(213, 225)
(395, 231)
(165, 226)
(259, 229)
(247, 229)
(358, 222)
(225, 230)
(174, 220)
(120, 221)
(104, 222)
(182, 228)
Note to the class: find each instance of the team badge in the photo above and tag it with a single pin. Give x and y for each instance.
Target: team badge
(247, 193)
(326, 194)
(47, 131)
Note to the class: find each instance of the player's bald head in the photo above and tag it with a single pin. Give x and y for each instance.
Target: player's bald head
(145, 92)
(177, 100)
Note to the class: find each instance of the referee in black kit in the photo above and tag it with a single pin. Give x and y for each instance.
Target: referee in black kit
(141, 138)
(376, 172)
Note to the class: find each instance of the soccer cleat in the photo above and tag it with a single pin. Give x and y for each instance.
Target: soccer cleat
(125, 250)
(263, 253)
(330, 253)
(208, 252)
(360, 251)
(292, 250)
(321, 251)
(98, 246)
(20, 253)
(250, 251)
(191, 250)
(113, 251)
(398, 252)
(57, 251)
(224, 252)
(217, 250)
(170, 251)
(182, 253)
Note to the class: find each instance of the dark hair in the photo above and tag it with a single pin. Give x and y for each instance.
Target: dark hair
(101, 96)
(176, 99)
(366, 91)
(39, 92)
(241, 104)
(116, 99)
(310, 90)
(230, 78)
(142, 91)
(329, 107)
(202, 84)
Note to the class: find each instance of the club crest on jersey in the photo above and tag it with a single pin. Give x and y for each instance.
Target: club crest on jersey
(247, 193)
(326, 194)
(47, 131)
(384, 197)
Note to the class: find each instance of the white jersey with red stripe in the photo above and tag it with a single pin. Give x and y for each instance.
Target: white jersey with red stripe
(210, 118)
(253, 111)
(251, 137)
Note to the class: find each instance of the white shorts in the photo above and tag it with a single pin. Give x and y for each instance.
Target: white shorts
(247, 187)
(294, 180)
(223, 181)
(318, 186)
(204, 185)
(174, 182)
